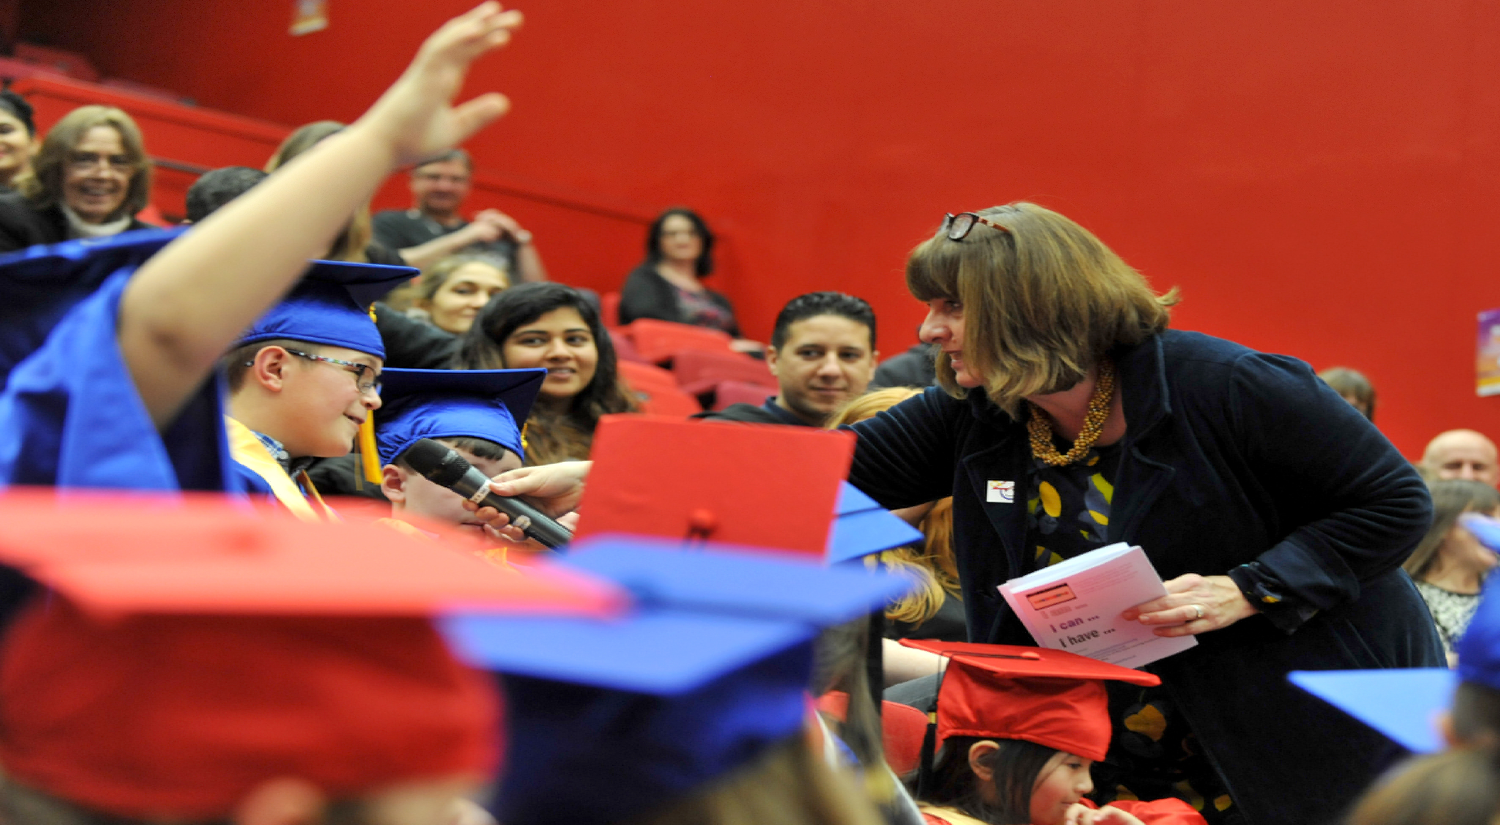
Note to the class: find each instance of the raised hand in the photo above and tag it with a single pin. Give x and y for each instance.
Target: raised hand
(416, 115)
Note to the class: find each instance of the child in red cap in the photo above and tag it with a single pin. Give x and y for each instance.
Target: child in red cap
(1017, 730)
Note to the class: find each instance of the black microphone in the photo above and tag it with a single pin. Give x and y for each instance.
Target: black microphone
(441, 465)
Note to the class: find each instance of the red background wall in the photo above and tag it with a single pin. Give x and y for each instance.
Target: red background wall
(1320, 178)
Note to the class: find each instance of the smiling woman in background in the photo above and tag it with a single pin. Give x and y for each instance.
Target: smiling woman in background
(17, 138)
(88, 180)
(452, 292)
(552, 326)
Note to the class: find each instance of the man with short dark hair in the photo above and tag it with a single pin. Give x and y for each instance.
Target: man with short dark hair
(218, 187)
(433, 228)
(822, 353)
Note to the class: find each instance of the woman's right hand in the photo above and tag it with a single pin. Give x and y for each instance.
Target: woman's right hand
(555, 489)
(416, 116)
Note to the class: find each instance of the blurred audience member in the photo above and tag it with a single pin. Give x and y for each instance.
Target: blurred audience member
(1354, 387)
(822, 354)
(668, 285)
(934, 609)
(1449, 565)
(914, 368)
(1462, 454)
(356, 244)
(433, 228)
(555, 327)
(89, 179)
(453, 291)
(17, 138)
(217, 187)
(1460, 787)
(409, 343)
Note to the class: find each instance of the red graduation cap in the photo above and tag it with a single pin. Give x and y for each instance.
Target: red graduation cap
(723, 482)
(203, 553)
(1050, 697)
(198, 649)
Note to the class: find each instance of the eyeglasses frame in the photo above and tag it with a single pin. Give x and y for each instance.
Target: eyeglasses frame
(370, 388)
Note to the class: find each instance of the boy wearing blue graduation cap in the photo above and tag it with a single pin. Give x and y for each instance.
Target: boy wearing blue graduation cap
(304, 379)
(104, 380)
(475, 412)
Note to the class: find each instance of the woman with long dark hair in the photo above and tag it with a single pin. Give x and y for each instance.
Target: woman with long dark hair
(552, 326)
(668, 285)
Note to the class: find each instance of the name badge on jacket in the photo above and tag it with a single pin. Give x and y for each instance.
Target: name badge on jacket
(1001, 492)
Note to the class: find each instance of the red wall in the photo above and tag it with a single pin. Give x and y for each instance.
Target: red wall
(1319, 177)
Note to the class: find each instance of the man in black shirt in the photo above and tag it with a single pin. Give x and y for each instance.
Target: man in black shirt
(822, 353)
(433, 228)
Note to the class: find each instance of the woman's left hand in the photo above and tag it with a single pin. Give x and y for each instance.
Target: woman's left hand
(1194, 604)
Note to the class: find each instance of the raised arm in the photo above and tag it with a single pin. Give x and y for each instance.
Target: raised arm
(186, 305)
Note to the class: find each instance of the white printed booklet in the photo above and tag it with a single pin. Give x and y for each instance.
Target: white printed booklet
(1075, 605)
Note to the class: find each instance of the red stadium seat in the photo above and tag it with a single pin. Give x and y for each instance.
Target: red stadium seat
(739, 392)
(609, 308)
(624, 347)
(902, 728)
(659, 341)
(656, 390)
(699, 371)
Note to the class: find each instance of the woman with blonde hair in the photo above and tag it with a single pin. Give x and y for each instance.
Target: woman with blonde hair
(934, 608)
(1071, 417)
(88, 179)
(451, 292)
(355, 242)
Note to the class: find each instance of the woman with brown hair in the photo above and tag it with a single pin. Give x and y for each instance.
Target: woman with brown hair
(1070, 417)
(1450, 565)
(89, 179)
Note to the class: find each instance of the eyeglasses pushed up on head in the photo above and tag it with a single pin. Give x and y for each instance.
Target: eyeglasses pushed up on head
(958, 226)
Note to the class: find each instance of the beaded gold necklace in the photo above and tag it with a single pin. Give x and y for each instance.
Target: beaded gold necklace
(1040, 428)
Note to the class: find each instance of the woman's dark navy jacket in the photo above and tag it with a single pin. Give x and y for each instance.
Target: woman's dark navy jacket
(1230, 457)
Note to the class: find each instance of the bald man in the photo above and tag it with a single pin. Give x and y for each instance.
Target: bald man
(1462, 454)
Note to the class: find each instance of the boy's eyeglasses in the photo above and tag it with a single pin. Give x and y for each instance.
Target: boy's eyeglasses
(958, 226)
(371, 387)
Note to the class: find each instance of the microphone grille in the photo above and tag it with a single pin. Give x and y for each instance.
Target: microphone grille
(436, 462)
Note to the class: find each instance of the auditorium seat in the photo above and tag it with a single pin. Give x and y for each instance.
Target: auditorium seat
(656, 390)
(624, 347)
(658, 341)
(699, 371)
(740, 392)
(62, 61)
(902, 728)
(609, 309)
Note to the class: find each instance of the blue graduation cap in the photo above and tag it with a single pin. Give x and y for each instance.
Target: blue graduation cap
(707, 671)
(331, 305)
(862, 527)
(488, 404)
(41, 284)
(1402, 703)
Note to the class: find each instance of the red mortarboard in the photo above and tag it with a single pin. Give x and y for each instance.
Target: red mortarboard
(250, 648)
(727, 483)
(209, 554)
(180, 717)
(1050, 697)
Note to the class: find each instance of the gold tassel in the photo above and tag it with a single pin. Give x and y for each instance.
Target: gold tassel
(369, 456)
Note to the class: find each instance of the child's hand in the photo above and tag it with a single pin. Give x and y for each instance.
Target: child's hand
(416, 116)
(1078, 814)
